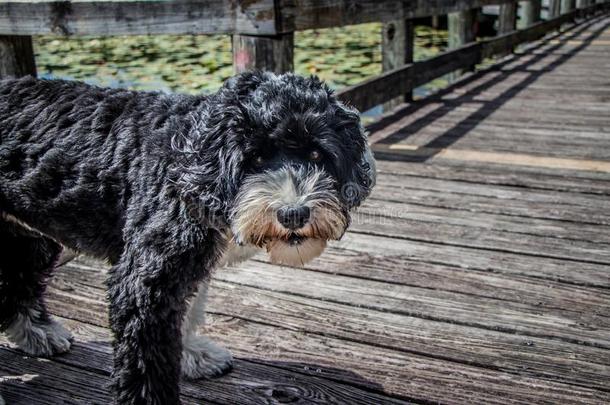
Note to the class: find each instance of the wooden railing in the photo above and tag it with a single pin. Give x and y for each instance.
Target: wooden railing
(402, 80)
(263, 31)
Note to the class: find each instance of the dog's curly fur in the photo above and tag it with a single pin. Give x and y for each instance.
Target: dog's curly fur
(161, 186)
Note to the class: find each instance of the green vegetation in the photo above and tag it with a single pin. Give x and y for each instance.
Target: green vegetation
(193, 64)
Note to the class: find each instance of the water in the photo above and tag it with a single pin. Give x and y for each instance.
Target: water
(200, 63)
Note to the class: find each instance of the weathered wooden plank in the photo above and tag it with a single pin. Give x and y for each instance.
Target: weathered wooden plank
(305, 357)
(137, 17)
(82, 376)
(16, 56)
(560, 234)
(500, 151)
(507, 19)
(281, 312)
(506, 290)
(567, 6)
(393, 219)
(397, 47)
(557, 210)
(517, 176)
(554, 8)
(270, 308)
(272, 53)
(591, 204)
(365, 260)
(108, 17)
(324, 318)
(509, 317)
(561, 271)
(307, 14)
(531, 12)
(465, 126)
(461, 27)
(30, 381)
(543, 359)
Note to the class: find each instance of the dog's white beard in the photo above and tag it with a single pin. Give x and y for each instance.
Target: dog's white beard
(281, 252)
(255, 217)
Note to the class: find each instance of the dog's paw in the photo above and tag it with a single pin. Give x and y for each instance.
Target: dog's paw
(39, 338)
(202, 358)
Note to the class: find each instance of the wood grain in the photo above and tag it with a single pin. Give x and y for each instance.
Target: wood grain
(137, 17)
(272, 53)
(254, 341)
(16, 56)
(307, 14)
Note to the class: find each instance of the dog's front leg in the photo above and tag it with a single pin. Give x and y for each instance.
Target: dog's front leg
(148, 290)
(201, 356)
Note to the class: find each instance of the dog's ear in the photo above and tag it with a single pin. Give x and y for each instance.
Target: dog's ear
(359, 171)
(361, 181)
(209, 158)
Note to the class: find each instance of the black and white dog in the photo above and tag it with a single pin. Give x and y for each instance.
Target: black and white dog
(166, 188)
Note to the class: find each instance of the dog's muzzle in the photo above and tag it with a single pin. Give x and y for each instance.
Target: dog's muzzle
(291, 211)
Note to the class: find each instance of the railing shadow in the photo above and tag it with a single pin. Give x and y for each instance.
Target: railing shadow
(487, 107)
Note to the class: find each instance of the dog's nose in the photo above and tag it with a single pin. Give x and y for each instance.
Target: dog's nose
(293, 217)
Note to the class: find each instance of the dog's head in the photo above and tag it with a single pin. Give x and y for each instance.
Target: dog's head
(293, 162)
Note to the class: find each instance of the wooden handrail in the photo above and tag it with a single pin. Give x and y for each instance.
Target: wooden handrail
(298, 15)
(394, 83)
(252, 17)
(104, 17)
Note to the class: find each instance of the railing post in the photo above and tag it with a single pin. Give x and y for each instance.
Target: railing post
(397, 50)
(272, 53)
(462, 26)
(531, 12)
(507, 20)
(567, 6)
(554, 8)
(16, 56)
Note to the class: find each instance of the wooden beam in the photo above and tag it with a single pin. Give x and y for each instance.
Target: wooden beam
(567, 6)
(554, 8)
(16, 56)
(397, 51)
(507, 19)
(87, 17)
(272, 53)
(461, 27)
(254, 17)
(531, 12)
(389, 85)
(308, 14)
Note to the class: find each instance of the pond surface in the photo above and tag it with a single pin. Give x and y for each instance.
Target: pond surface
(200, 63)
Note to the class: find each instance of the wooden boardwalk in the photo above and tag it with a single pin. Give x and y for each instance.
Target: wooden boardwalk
(478, 272)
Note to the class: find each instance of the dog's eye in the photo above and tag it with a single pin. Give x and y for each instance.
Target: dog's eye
(259, 160)
(315, 155)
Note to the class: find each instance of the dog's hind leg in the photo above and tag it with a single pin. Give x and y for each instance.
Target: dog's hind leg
(26, 262)
(201, 356)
